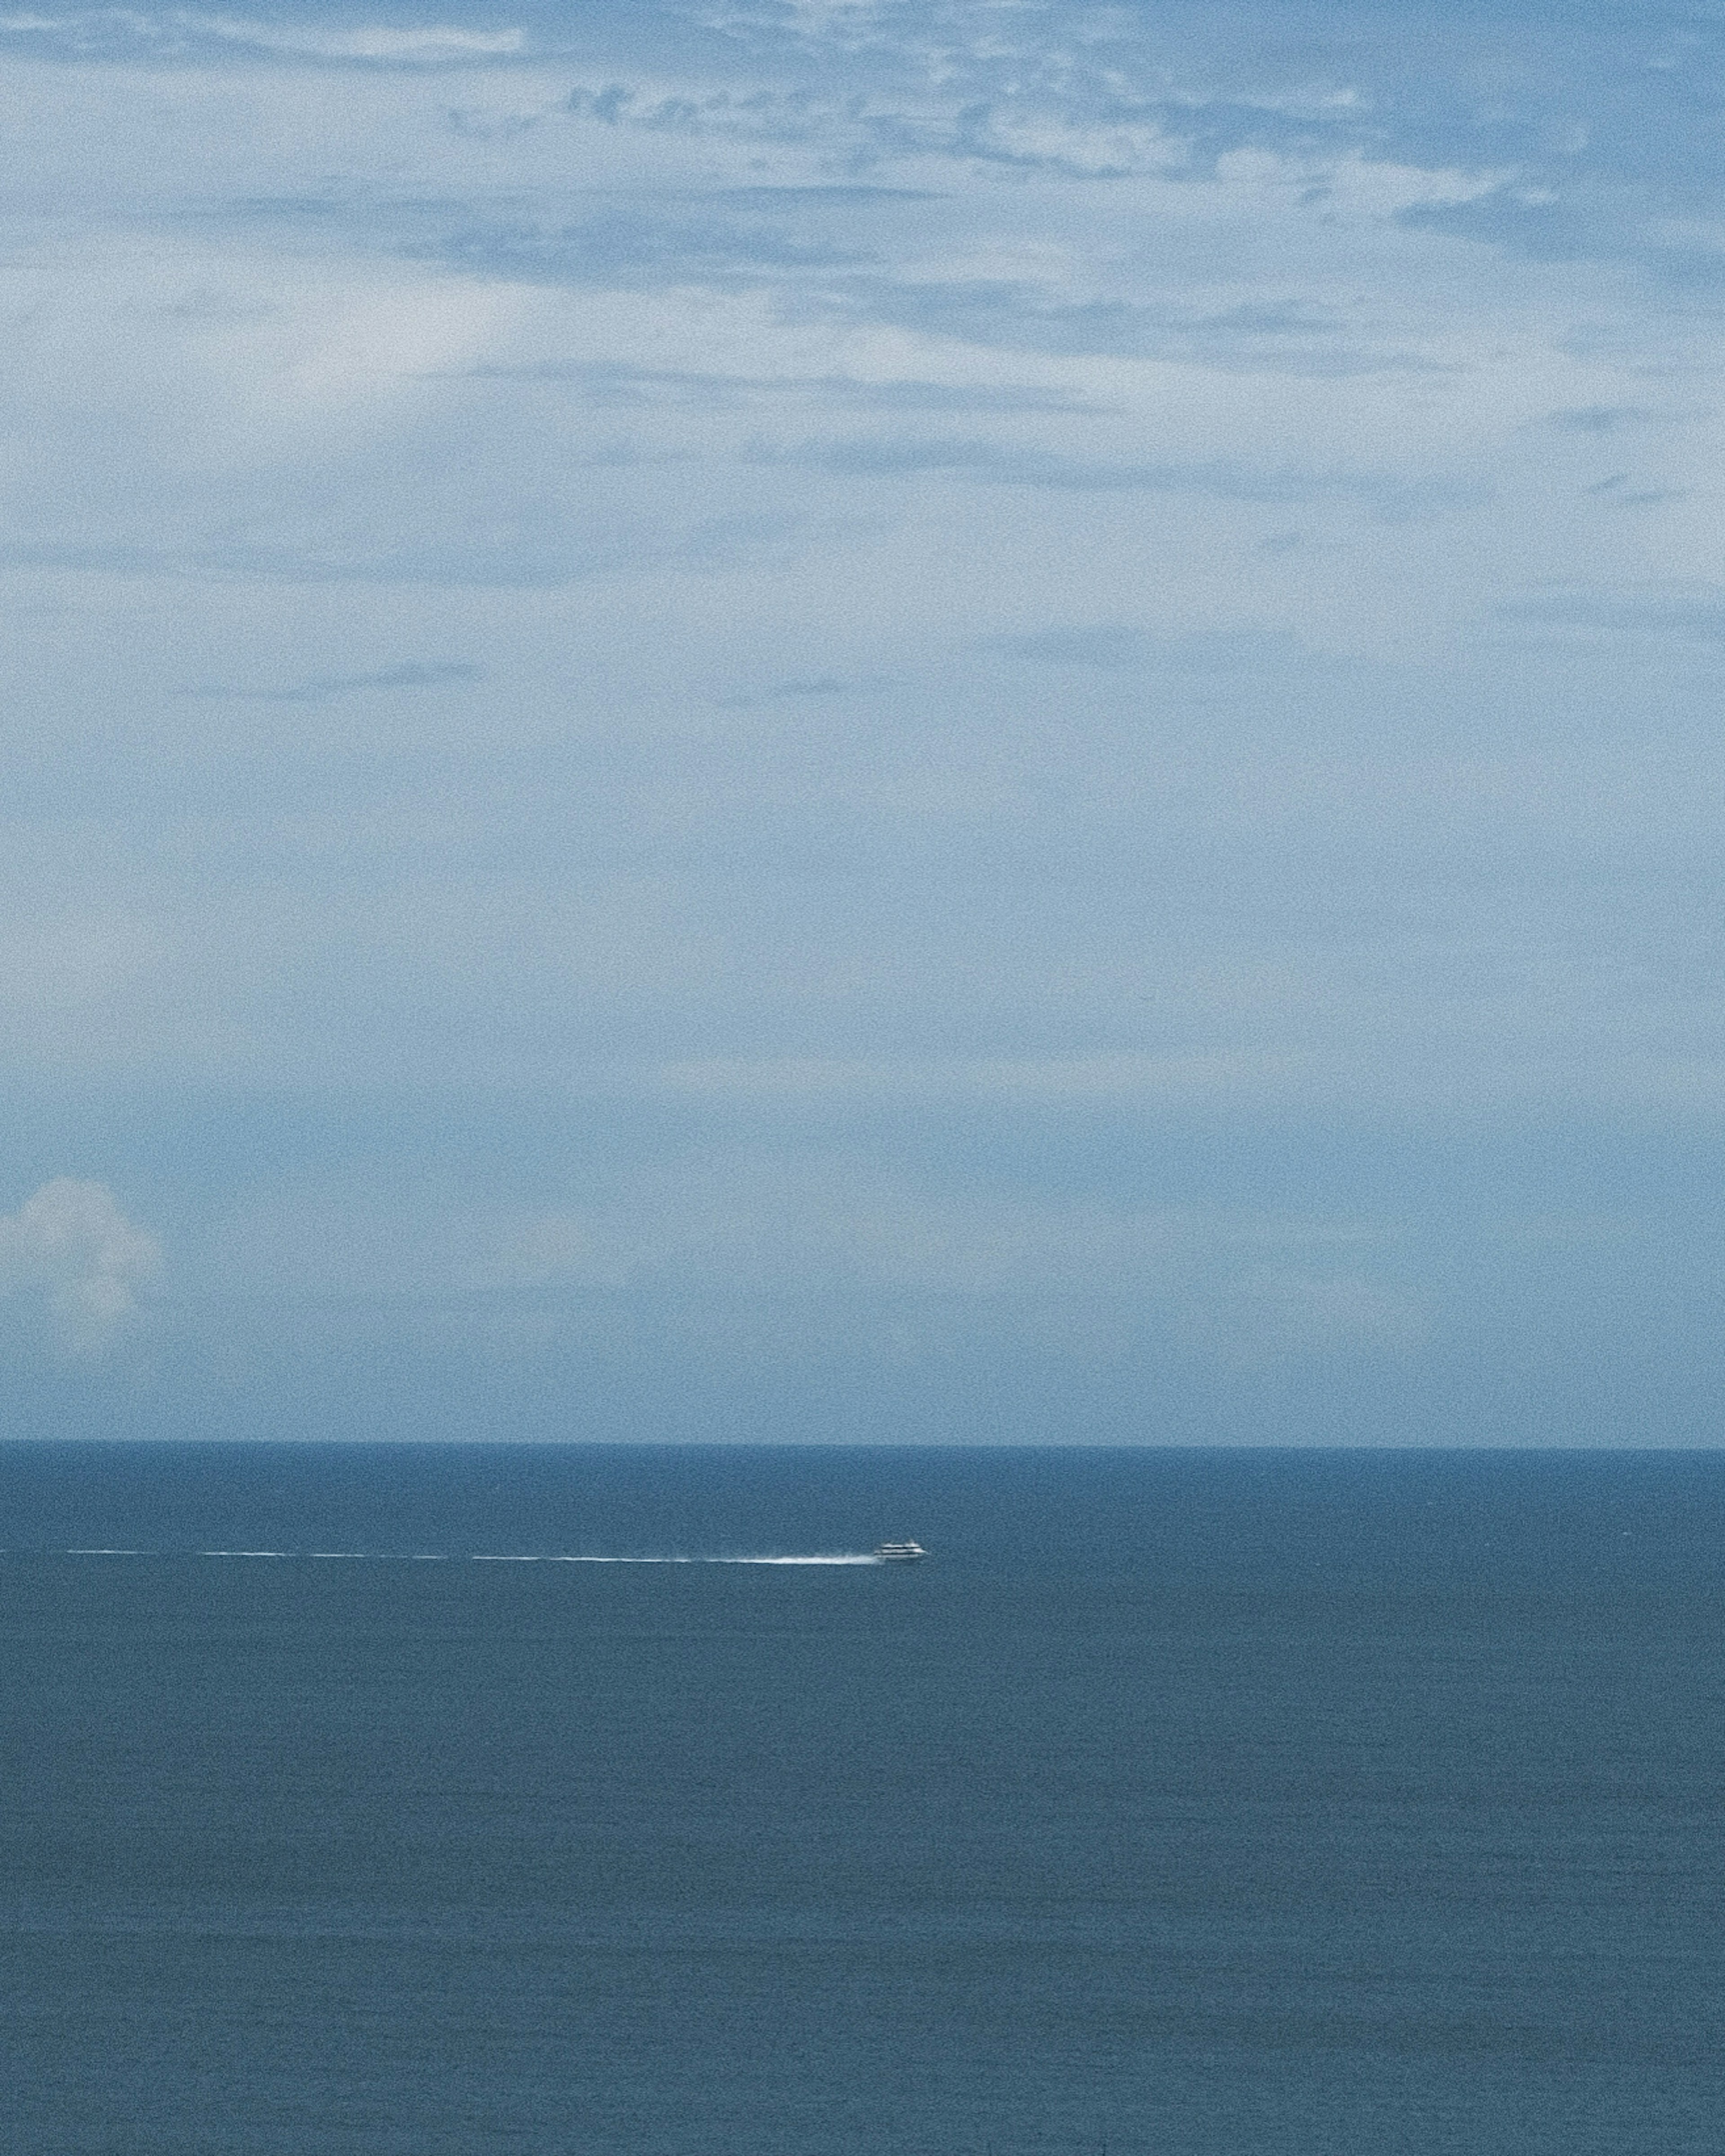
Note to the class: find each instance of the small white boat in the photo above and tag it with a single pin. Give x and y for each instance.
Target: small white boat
(899, 1553)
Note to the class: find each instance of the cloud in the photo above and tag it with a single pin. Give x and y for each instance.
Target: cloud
(538, 551)
(1617, 488)
(1035, 103)
(1263, 336)
(1390, 500)
(1114, 648)
(1692, 614)
(640, 248)
(1601, 419)
(612, 381)
(806, 688)
(326, 686)
(841, 279)
(183, 34)
(429, 44)
(1524, 221)
(1651, 230)
(71, 1245)
(1273, 1312)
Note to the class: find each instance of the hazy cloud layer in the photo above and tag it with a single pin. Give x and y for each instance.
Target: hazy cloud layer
(885, 719)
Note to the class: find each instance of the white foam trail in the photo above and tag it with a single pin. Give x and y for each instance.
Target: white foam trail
(860, 1558)
(493, 1556)
(857, 1557)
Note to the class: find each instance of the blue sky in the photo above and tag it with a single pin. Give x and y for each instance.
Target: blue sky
(858, 721)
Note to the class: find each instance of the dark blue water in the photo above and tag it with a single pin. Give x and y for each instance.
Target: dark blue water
(1183, 1803)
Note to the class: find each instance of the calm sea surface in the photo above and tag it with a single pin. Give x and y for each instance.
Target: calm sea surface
(1180, 1803)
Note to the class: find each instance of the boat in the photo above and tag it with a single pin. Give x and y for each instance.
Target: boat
(899, 1553)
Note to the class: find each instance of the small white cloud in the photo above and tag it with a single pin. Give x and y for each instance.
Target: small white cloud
(70, 1244)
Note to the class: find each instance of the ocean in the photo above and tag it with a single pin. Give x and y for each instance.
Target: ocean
(1181, 1803)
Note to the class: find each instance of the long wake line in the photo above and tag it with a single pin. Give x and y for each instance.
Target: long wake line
(479, 1557)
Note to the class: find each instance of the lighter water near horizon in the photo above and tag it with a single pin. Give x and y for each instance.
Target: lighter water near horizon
(1185, 1802)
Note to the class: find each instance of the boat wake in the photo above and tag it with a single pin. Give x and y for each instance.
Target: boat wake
(839, 1557)
(483, 1557)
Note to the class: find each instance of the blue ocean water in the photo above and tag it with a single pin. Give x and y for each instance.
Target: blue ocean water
(1182, 1803)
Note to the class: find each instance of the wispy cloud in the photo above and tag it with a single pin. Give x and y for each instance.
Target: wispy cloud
(1391, 498)
(618, 382)
(186, 34)
(1602, 418)
(1116, 649)
(640, 246)
(324, 688)
(1265, 335)
(1619, 489)
(1271, 1313)
(541, 554)
(1690, 614)
(806, 688)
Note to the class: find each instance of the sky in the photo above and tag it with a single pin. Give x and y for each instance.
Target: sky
(809, 720)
